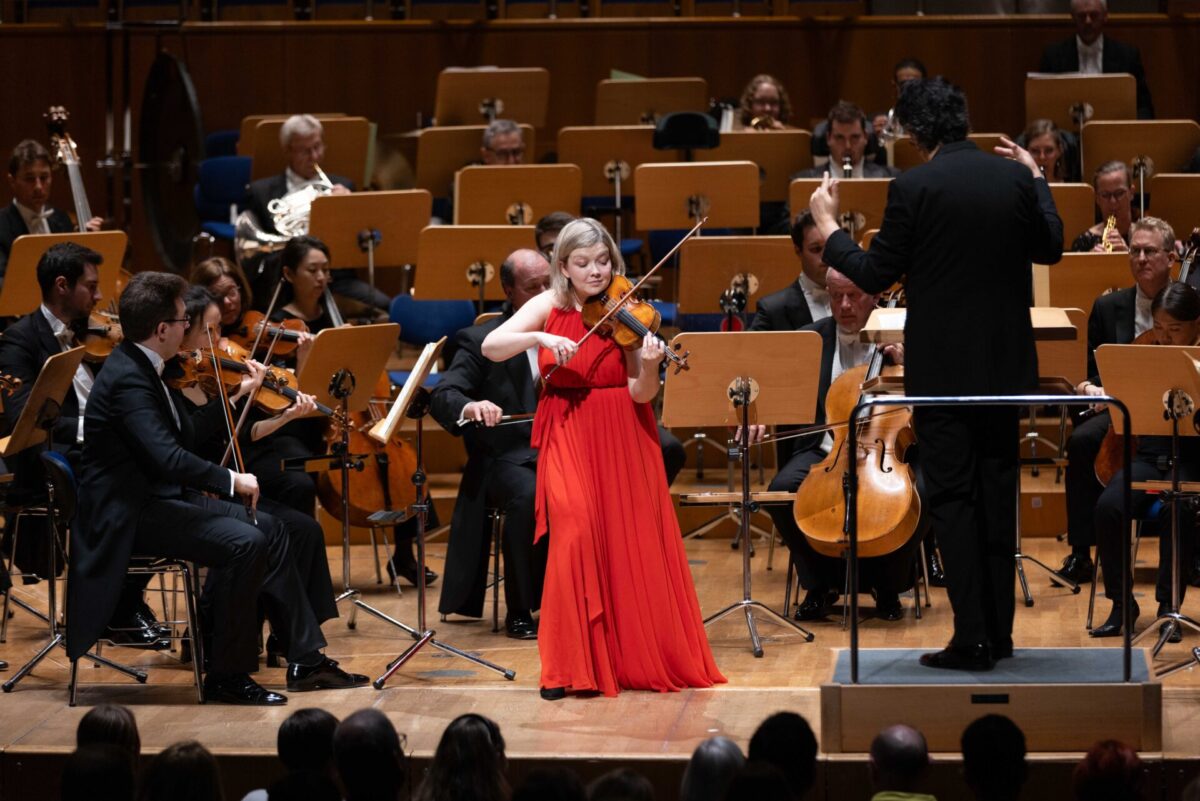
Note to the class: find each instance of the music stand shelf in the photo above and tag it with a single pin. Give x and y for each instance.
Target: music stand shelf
(473, 95)
(462, 262)
(517, 195)
(753, 265)
(21, 294)
(444, 150)
(862, 199)
(349, 142)
(1066, 98)
(645, 100)
(676, 196)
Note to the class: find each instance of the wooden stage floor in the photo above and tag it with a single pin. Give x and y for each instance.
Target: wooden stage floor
(434, 688)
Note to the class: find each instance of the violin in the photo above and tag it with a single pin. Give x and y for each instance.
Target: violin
(618, 313)
(103, 334)
(248, 331)
(279, 387)
(888, 504)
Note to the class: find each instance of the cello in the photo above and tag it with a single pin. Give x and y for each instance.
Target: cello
(888, 504)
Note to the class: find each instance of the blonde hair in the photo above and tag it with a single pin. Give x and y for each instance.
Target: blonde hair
(581, 233)
(1158, 226)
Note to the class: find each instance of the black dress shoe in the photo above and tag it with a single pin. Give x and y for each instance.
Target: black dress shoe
(1177, 631)
(1076, 567)
(1003, 649)
(3, 665)
(520, 626)
(816, 604)
(240, 689)
(1112, 626)
(407, 570)
(553, 693)
(136, 631)
(961, 657)
(275, 652)
(933, 563)
(149, 620)
(887, 606)
(323, 676)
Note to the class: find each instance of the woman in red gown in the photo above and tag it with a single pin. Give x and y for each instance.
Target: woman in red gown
(619, 609)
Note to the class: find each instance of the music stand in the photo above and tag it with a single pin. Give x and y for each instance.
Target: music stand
(1076, 204)
(349, 146)
(1072, 100)
(245, 142)
(1079, 278)
(1176, 199)
(675, 196)
(1153, 412)
(367, 228)
(729, 384)
(413, 402)
(444, 150)
(471, 95)
(462, 262)
(644, 100)
(778, 154)
(519, 194)
(33, 428)
(341, 371)
(608, 157)
(20, 293)
(1168, 144)
(862, 201)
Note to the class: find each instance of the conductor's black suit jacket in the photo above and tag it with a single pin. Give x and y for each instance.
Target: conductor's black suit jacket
(133, 453)
(1117, 57)
(964, 228)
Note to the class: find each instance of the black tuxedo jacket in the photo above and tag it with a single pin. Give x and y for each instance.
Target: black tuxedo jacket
(964, 228)
(1110, 323)
(827, 328)
(264, 190)
(785, 310)
(24, 349)
(871, 169)
(1118, 57)
(133, 453)
(12, 225)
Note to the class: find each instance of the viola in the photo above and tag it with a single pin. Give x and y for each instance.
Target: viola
(251, 329)
(103, 334)
(888, 504)
(618, 313)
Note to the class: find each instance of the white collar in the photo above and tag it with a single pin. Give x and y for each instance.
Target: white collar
(848, 337)
(295, 181)
(156, 361)
(1096, 46)
(811, 287)
(29, 215)
(57, 326)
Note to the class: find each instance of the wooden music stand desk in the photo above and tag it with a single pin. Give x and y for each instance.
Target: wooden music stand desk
(865, 198)
(48, 392)
(21, 294)
(361, 349)
(443, 151)
(673, 196)
(473, 95)
(451, 260)
(643, 101)
(1065, 359)
(349, 142)
(1076, 204)
(778, 154)
(1176, 199)
(518, 195)
(398, 216)
(1169, 144)
(709, 264)
(1053, 97)
(1080, 278)
(598, 151)
(245, 143)
(905, 154)
(886, 326)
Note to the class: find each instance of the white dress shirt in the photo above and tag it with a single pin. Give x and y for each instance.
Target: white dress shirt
(1143, 320)
(1091, 57)
(295, 183)
(850, 352)
(817, 298)
(532, 353)
(38, 222)
(83, 374)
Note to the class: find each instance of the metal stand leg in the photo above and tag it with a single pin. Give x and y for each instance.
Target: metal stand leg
(1020, 557)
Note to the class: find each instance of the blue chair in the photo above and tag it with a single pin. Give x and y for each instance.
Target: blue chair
(425, 321)
(221, 143)
(221, 183)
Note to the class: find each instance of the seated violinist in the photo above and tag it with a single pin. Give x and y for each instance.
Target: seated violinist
(822, 576)
(69, 279)
(764, 105)
(1117, 318)
(1176, 311)
(1113, 183)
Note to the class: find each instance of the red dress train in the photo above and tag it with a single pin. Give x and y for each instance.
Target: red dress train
(619, 609)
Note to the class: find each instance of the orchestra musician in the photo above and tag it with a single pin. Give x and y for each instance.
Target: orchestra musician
(302, 137)
(619, 608)
(847, 134)
(1176, 311)
(967, 332)
(503, 144)
(764, 105)
(501, 466)
(1113, 183)
(821, 576)
(68, 275)
(1049, 148)
(30, 176)
(906, 69)
(141, 493)
(545, 233)
(1116, 318)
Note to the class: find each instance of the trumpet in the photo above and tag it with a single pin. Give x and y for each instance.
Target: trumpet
(1109, 226)
(291, 212)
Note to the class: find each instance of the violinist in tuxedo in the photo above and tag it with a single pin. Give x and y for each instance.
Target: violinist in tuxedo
(501, 465)
(30, 178)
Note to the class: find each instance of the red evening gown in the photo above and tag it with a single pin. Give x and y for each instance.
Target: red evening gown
(619, 609)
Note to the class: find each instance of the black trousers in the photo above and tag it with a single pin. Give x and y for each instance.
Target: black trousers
(1110, 529)
(674, 456)
(245, 560)
(970, 461)
(892, 572)
(1083, 490)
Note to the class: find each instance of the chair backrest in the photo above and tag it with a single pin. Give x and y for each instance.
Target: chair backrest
(425, 321)
(220, 183)
(61, 479)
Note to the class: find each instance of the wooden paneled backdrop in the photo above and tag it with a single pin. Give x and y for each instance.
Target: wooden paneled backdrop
(387, 70)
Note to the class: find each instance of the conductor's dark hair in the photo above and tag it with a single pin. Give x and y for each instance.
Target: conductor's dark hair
(28, 151)
(66, 259)
(786, 741)
(934, 112)
(1179, 300)
(305, 740)
(112, 724)
(800, 225)
(914, 63)
(149, 299)
(993, 749)
(299, 247)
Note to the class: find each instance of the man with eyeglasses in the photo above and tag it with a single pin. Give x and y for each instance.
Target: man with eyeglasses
(1117, 318)
(503, 144)
(1113, 184)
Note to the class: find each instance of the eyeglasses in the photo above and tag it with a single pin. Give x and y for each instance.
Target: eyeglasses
(508, 153)
(186, 320)
(1149, 253)
(1117, 195)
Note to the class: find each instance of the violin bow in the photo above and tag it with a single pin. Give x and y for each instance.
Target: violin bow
(227, 411)
(633, 289)
(237, 429)
(266, 319)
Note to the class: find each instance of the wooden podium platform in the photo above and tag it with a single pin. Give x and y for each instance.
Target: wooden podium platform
(1064, 699)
